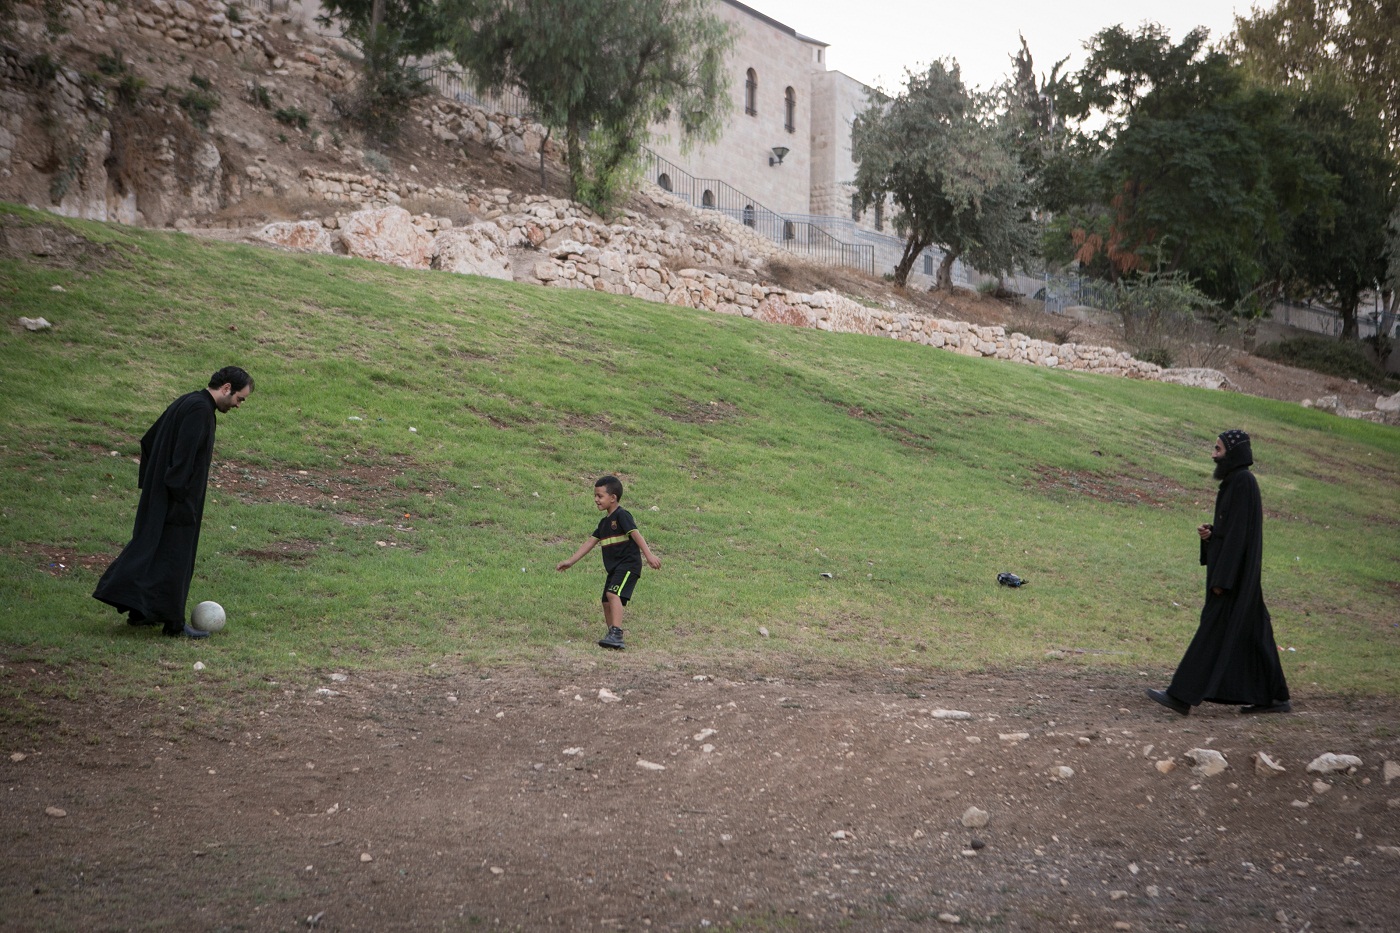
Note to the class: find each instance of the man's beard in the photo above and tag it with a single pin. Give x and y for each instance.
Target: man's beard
(1221, 470)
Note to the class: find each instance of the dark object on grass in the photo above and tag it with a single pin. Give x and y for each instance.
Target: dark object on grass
(1010, 579)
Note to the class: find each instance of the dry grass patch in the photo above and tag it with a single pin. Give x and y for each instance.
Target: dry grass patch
(1124, 489)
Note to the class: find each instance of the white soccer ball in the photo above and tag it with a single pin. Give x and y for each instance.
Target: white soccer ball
(208, 616)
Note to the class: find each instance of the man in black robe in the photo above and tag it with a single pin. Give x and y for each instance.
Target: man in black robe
(1233, 658)
(150, 579)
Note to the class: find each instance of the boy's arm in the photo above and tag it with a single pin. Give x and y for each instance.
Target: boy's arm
(653, 561)
(583, 549)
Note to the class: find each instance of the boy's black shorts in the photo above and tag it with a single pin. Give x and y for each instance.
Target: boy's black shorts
(622, 582)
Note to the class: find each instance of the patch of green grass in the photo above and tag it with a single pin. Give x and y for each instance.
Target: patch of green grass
(756, 458)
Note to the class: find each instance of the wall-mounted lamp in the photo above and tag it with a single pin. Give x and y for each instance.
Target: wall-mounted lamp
(779, 153)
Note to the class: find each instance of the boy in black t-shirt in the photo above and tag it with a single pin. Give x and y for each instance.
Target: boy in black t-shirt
(623, 550)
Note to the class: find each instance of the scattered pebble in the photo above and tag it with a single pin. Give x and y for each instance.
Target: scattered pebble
(973, 818)
(1321, 787)
(18, 756)
(950, 714)
(366, 857)
(1328, 763)
(1208, 761)
(1014, 736)
(650, 765)
(1166, 766)
(199, 665)
(55, 812)
(1265, 765)
(1063, 773)
(497, 870)
(607, 696)
(949, 918)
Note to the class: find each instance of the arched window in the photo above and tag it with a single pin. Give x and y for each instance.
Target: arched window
(664, 181)
(855, 207)
(751, 93)
(748, 216)
(790, 113)
(928, 263)
(707, 199)
(879, 215)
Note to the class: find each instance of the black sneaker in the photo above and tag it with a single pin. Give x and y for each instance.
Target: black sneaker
(612, 640)
(1169, 701)
(1282, 706)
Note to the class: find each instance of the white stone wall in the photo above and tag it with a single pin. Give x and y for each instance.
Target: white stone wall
(740, 158)
(836, 100)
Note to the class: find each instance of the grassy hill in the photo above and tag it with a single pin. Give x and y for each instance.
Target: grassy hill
(420, 450)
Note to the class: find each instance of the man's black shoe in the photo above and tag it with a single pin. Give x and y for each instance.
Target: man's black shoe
(612, 640)
(1169, 701)
(1282, 706)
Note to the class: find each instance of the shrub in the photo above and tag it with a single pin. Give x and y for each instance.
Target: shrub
(258, 95)
(199, 103)
(387, 86)
(1347, 359)
(128, 89)
(1160, 356)
(378, 161)
(41, 70)
(292, 116)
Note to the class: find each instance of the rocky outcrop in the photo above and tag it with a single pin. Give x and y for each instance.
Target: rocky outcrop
(306, 236)
(387, 235)
(476, 250)
(1387, 411)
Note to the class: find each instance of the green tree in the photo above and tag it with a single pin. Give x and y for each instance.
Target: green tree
(601, 73)
(1338, 244)
(389, 34)
(1296, 40)
(946, 159)
(1196, 169)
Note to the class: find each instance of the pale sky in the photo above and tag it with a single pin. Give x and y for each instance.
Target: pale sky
(874, 41)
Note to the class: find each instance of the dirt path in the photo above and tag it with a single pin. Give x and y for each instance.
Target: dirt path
(509, 800)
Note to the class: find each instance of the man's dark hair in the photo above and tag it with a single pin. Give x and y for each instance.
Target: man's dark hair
(611, 484)
(235, 376)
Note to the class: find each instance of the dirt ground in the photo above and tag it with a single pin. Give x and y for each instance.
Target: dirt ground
(527, 800)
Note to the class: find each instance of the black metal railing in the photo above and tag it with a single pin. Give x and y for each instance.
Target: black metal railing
(454, 83)
(799, 236)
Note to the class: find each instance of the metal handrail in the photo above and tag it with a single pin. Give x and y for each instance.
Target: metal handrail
(457, 84)
(789, 232)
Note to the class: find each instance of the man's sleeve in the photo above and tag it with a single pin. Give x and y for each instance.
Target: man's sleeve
(191, 432)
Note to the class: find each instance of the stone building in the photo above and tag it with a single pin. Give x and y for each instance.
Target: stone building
(783, 160)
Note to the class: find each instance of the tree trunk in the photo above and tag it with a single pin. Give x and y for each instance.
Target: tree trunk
(944, 282)
(543, 142)
(1346, 307)
(912, 248)
(372, 50)
(573, 152)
